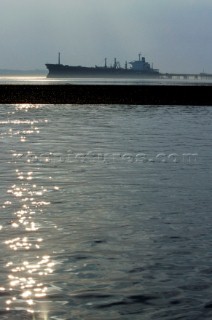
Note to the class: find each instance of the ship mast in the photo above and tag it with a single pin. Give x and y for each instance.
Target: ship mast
(59, 58)
(115, 63)
(139, 55)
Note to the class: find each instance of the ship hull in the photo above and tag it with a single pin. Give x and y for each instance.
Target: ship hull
(62, 71)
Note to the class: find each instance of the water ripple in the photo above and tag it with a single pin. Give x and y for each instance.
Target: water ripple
(103, 214)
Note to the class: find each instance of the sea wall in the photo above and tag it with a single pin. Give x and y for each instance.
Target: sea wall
(198, 95)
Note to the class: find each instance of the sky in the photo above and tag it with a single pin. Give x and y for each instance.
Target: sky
(175, 35)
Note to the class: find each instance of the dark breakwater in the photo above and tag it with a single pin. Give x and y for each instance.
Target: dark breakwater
(196, 95)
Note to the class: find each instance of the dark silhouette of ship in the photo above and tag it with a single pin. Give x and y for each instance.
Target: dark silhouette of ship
(138, 68)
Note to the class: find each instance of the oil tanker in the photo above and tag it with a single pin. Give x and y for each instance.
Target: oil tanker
(137, 69)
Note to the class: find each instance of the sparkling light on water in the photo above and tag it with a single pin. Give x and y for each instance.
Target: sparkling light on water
(27, 274)
(88, 229)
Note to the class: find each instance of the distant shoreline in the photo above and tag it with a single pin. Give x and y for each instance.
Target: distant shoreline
(34, 72)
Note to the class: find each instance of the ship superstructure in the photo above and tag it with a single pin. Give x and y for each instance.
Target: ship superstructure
(138, 68)
(141, 65)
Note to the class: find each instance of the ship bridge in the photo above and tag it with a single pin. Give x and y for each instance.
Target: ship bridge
(140, 65)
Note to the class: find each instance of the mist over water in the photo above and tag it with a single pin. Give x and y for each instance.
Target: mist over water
(113, 81)
(105, 212)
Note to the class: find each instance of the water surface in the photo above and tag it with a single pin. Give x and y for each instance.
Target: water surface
(105, 212)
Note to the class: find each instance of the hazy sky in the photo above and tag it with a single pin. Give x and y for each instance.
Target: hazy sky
(174, 34)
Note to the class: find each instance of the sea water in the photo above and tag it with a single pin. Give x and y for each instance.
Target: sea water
(105, 212)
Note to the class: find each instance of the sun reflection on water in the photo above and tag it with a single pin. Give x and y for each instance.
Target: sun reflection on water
(27, 278)
(29, 263)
